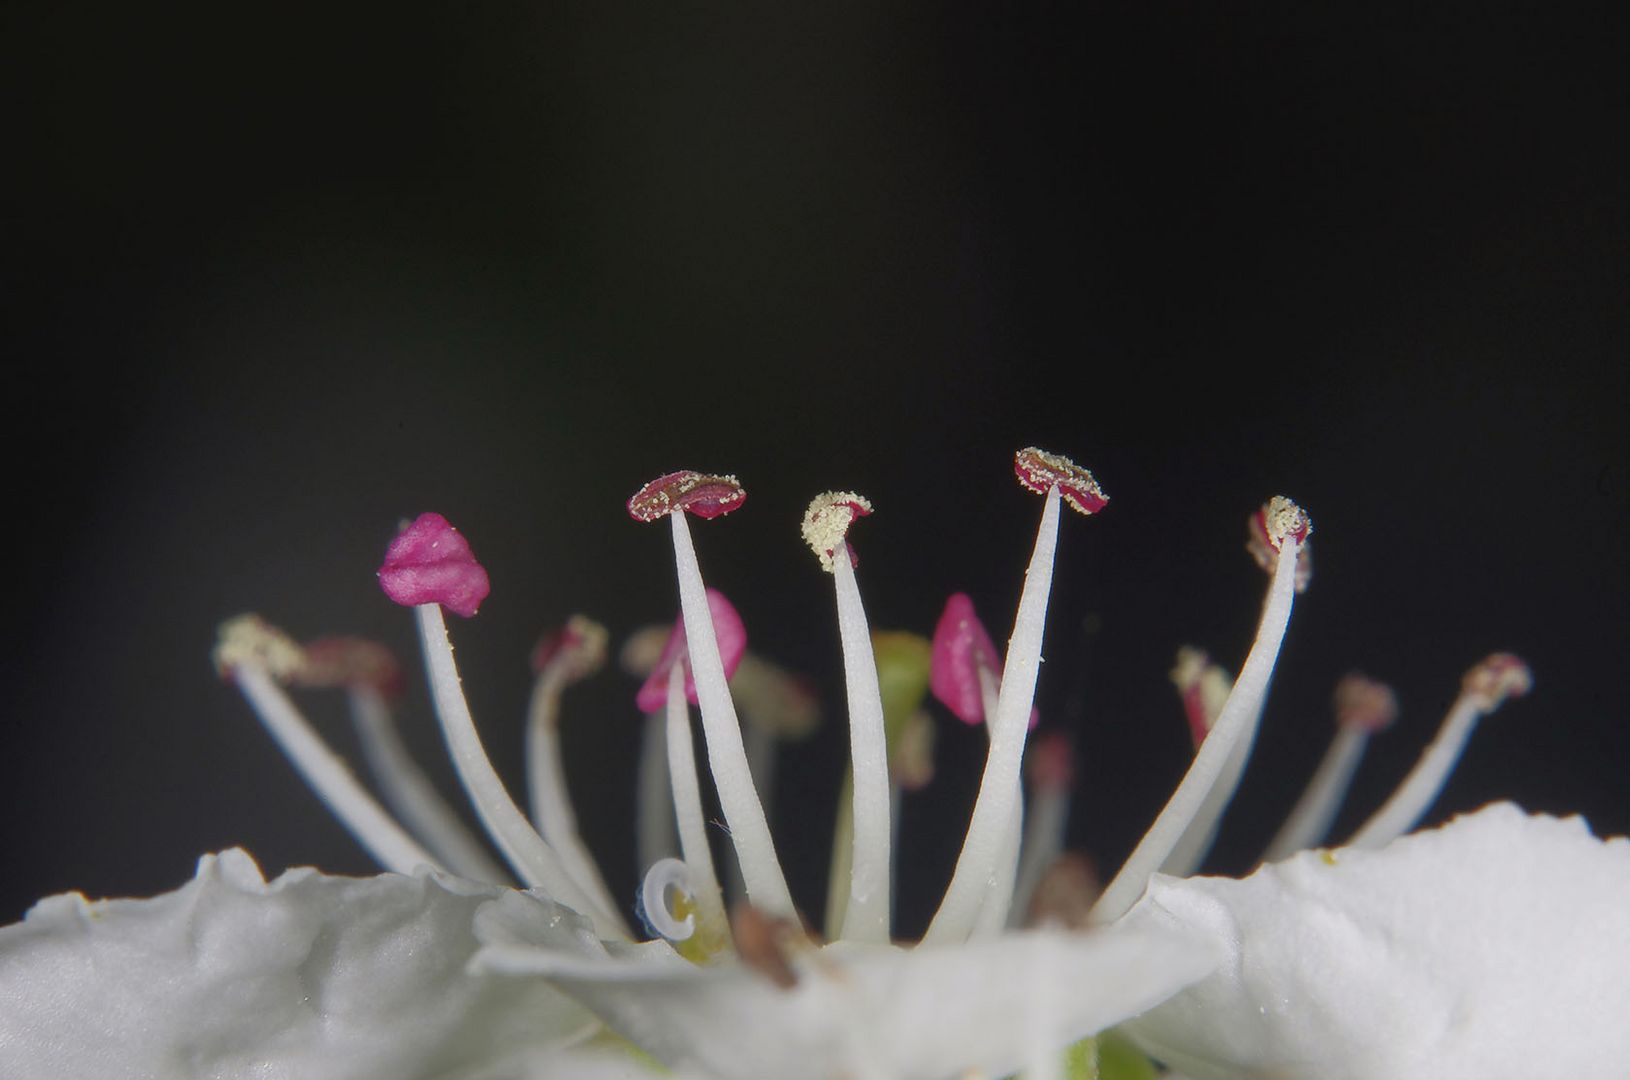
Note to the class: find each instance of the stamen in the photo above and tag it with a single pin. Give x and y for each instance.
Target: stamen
(911, 761)
(1066, 892)
(666, 876)
(643, 649)
(655, 829)
(1287, 528)
(654, 835)
(767, 943)
(903, 661)
(995, 907)
(1203, 701)
(534, 861)
(1052, 772)
(251, 654)
(339, 662)
(775, 705)
(704, 881)
(911, 765)
(749, 831)
(569, 655)
(866, 915)
(964, 679)
(371, 679)
(1484, 689)
(1203, 686)
(774, 700)
(438, 564)
(1363, 707)
(674, 656)
(1265, 530)
(999, 793)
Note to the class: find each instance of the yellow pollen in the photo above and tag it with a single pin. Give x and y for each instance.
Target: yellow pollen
(249, 639)
(827, 522)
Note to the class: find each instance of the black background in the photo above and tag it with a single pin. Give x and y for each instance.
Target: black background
(280, 276)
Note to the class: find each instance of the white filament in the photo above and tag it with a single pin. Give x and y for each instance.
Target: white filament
(1309, 821)
(749, 831)
(1407, 804)
(759, 744)
(654, 810)
(866, 916)
(991, 825)
(535, 862)
(1201, 833)
(1045, 821)
(843, 850)
(411, 795)
(328, 775)
(666, 875)
(1046, 1057)
(546, 781)
(687, 803)
(1233, 724)
(995, 910)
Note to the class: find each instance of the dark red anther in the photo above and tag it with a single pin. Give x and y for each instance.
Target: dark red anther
(1496, 678)
(1268, 529)
(343, 662)
(1039, 470)
(703, 494)
(1051, 762)
(577, 649)
(1362, 703)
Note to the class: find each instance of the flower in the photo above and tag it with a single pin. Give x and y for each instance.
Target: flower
(437, 967)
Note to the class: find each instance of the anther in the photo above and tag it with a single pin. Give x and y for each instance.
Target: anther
(707, 495)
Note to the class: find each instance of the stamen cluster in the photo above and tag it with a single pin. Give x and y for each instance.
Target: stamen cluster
(1011, 847)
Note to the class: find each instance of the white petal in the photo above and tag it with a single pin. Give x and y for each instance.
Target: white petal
(876, 1011)
(1498, 945)
(308, 976)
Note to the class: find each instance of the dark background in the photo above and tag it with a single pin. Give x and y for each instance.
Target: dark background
(276, 277)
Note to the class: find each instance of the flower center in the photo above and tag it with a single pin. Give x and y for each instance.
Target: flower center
(1007, 853)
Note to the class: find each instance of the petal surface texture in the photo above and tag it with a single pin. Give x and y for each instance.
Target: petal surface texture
(308, 976)
(1495, 946)
(874, 1011)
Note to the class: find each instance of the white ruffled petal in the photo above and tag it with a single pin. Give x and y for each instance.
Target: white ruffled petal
(307, 976)
(1498, 945)
(875, 1011)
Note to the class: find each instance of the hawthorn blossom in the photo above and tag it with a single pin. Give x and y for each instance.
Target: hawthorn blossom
(1445, 953)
